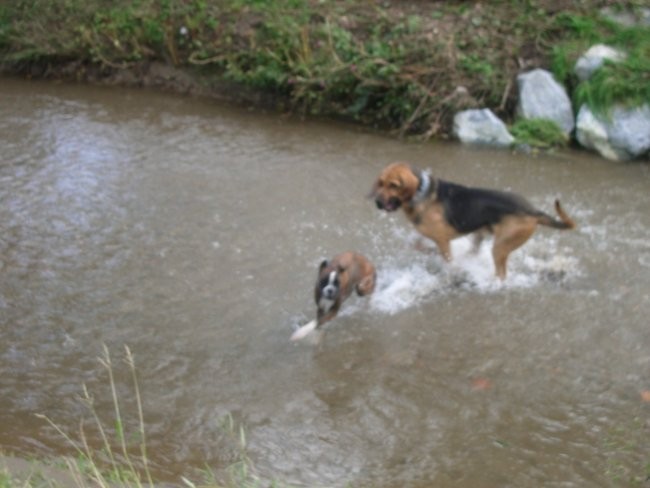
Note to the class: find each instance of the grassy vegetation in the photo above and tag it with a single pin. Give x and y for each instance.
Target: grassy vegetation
(396, 65)
(121, 460)
(623, 442)
(626, 82)
(538, 133)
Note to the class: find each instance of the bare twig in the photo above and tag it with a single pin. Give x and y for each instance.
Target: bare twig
(193, 59)
(106, 362)
(143, 445)
(418, 109)
(506, 95)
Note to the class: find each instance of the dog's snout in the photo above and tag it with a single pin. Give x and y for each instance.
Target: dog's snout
(329, 292)
(379, 203)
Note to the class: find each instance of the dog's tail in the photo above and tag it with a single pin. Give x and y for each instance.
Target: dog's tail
(565, 221)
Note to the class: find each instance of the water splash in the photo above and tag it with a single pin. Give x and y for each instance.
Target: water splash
(410, 278)
(401, 288)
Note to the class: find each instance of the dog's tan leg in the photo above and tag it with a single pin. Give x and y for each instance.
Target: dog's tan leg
(500, 256)
(440, 232)
(445, 248)
(509, 235)
(477, 240)
(366, 286)
(326, 317)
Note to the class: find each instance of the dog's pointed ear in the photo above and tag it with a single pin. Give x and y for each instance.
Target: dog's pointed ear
(323, 264)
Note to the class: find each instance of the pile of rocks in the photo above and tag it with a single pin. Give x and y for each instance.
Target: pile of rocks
(621, 134)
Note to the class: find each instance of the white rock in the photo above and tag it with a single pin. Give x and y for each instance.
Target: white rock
(594, 59)
(622, 135)
(542, 97)
(628, 18)
(481, 127)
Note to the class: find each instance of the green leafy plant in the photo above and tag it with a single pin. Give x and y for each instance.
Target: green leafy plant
(381, 63)
(626, 82)
(539, 133)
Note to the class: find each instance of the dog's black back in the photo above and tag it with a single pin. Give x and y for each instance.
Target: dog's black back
(469, 209)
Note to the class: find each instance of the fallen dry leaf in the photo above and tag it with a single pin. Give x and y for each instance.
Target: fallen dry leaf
(481, 384)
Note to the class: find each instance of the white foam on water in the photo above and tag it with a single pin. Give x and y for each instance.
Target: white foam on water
(401, 288)
(405, 280)
(644, 260)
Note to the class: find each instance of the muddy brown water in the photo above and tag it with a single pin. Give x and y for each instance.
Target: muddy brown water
(191, 232)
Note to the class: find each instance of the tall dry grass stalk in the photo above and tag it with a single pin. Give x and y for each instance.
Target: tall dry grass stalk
(113, 464)
(108, 467)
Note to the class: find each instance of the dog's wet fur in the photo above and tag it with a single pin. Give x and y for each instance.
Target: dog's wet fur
(337, 279)
(442, 211)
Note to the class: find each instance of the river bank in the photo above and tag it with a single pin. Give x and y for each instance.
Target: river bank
(406, 67)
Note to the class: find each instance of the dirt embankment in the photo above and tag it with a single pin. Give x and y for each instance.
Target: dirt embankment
(403, 66)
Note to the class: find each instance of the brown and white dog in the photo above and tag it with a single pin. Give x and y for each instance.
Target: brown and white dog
(443, 211)
(337, 279)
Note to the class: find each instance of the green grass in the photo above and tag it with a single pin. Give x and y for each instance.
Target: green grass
(623, 442)
(626, 83)
(394, 65)
(115, 463)
(7, 480)
(538, 133)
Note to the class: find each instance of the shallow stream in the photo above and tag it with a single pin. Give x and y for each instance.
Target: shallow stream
(191, 232)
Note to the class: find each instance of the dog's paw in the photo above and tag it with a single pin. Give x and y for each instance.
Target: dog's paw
(422, 246)
(303, 331)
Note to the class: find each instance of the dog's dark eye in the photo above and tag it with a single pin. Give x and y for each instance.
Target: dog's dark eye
(393, 185)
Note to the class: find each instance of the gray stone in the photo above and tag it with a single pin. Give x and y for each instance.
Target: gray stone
(542, 97)
(594, 59)
(628, 18)
(622, 135)
(644, 17)
(481, 127)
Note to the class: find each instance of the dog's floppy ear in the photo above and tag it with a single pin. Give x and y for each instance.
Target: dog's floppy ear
(410, 182)
(323, 264)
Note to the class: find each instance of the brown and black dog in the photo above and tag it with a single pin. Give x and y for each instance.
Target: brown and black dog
(443, 211)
